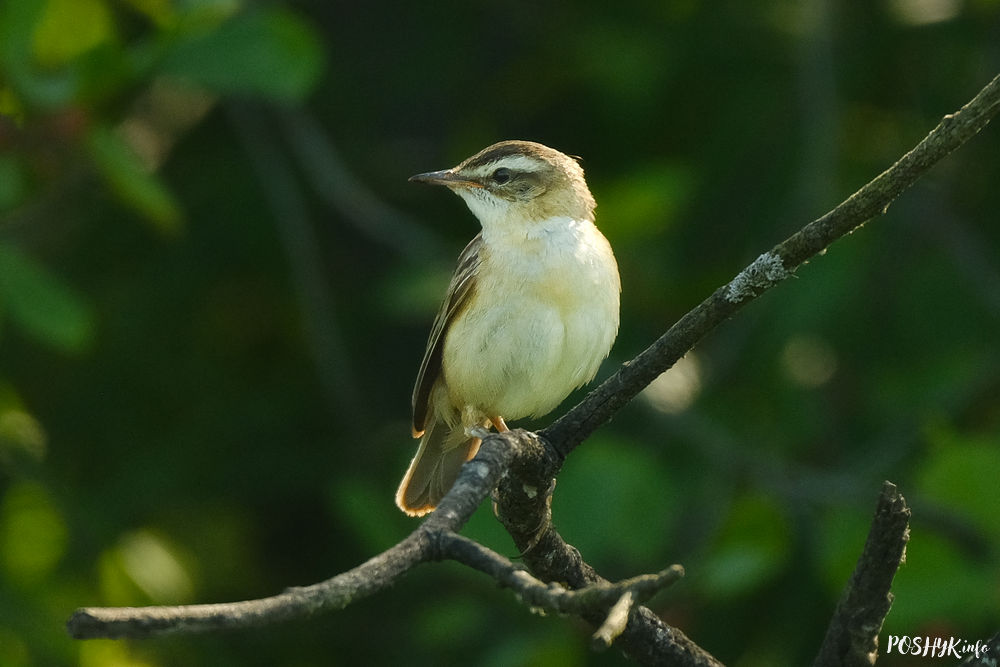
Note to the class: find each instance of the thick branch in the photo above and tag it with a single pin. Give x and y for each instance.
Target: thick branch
(852, 636)
(477, 479)
(434, 540)
(522, 503)
(295, 603)
(771, 268)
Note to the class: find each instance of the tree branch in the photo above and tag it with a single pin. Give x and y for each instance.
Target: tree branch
(523, 505)
(434, 540)
(608, 605)
(294, 603)
(526, 513)
(376, 574)
(852, 636)
(525, 464)
(770, 269)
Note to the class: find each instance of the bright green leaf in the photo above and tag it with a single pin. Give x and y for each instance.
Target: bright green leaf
(129, 179)
(108, 653)
(29, 85)
(21, 436)
(145, 567)
(32, 533)
(269, 52)
(68, 28)
(41, 304)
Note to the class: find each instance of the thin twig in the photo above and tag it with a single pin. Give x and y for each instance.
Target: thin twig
(614, 625)
(551, 597)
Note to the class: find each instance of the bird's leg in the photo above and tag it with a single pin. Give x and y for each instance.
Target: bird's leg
(499, 424)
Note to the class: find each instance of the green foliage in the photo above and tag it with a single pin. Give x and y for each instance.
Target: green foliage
(207, 345)
(131, 182)
(751, 548)
(12, 182)
(266, 52)
(42, 305)
(959, 470)
(32, 534)
(76, 59)
(613, 488)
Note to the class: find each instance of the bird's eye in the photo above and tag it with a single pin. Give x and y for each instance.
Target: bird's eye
(501, 175)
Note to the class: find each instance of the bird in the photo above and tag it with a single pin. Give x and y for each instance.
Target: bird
(530, 313)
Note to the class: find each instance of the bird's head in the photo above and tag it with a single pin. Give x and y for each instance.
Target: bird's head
(518, 182)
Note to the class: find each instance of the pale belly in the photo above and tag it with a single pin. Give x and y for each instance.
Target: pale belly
(524, 354)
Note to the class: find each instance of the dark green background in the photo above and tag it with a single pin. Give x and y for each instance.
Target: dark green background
(205, 368)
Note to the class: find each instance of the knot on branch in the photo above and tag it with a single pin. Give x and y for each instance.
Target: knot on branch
(524, 495)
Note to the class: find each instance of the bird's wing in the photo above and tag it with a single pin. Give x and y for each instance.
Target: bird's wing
(460, 291)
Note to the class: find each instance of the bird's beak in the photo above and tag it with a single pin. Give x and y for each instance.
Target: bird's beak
(445, 177)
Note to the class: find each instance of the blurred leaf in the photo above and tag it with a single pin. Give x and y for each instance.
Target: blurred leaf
(268, 52)
(145, 568)
(647, 200)
(367, 513)
(412, 293)
(842, 537)
(971, 594)
(10, 106)
(751, 549)
(962, 474)
(21, 437)
(205, 14)
(32, 533)
(454, 615)
(485, 528)
(68, 28)
(160, 12)
(42, 305)
(13, 184)
(613, 488)
(29, 84)
(108, 653)
(132, 182)
(13, 649)
(547, 647)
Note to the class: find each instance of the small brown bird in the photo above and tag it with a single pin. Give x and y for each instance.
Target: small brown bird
(530, 314)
